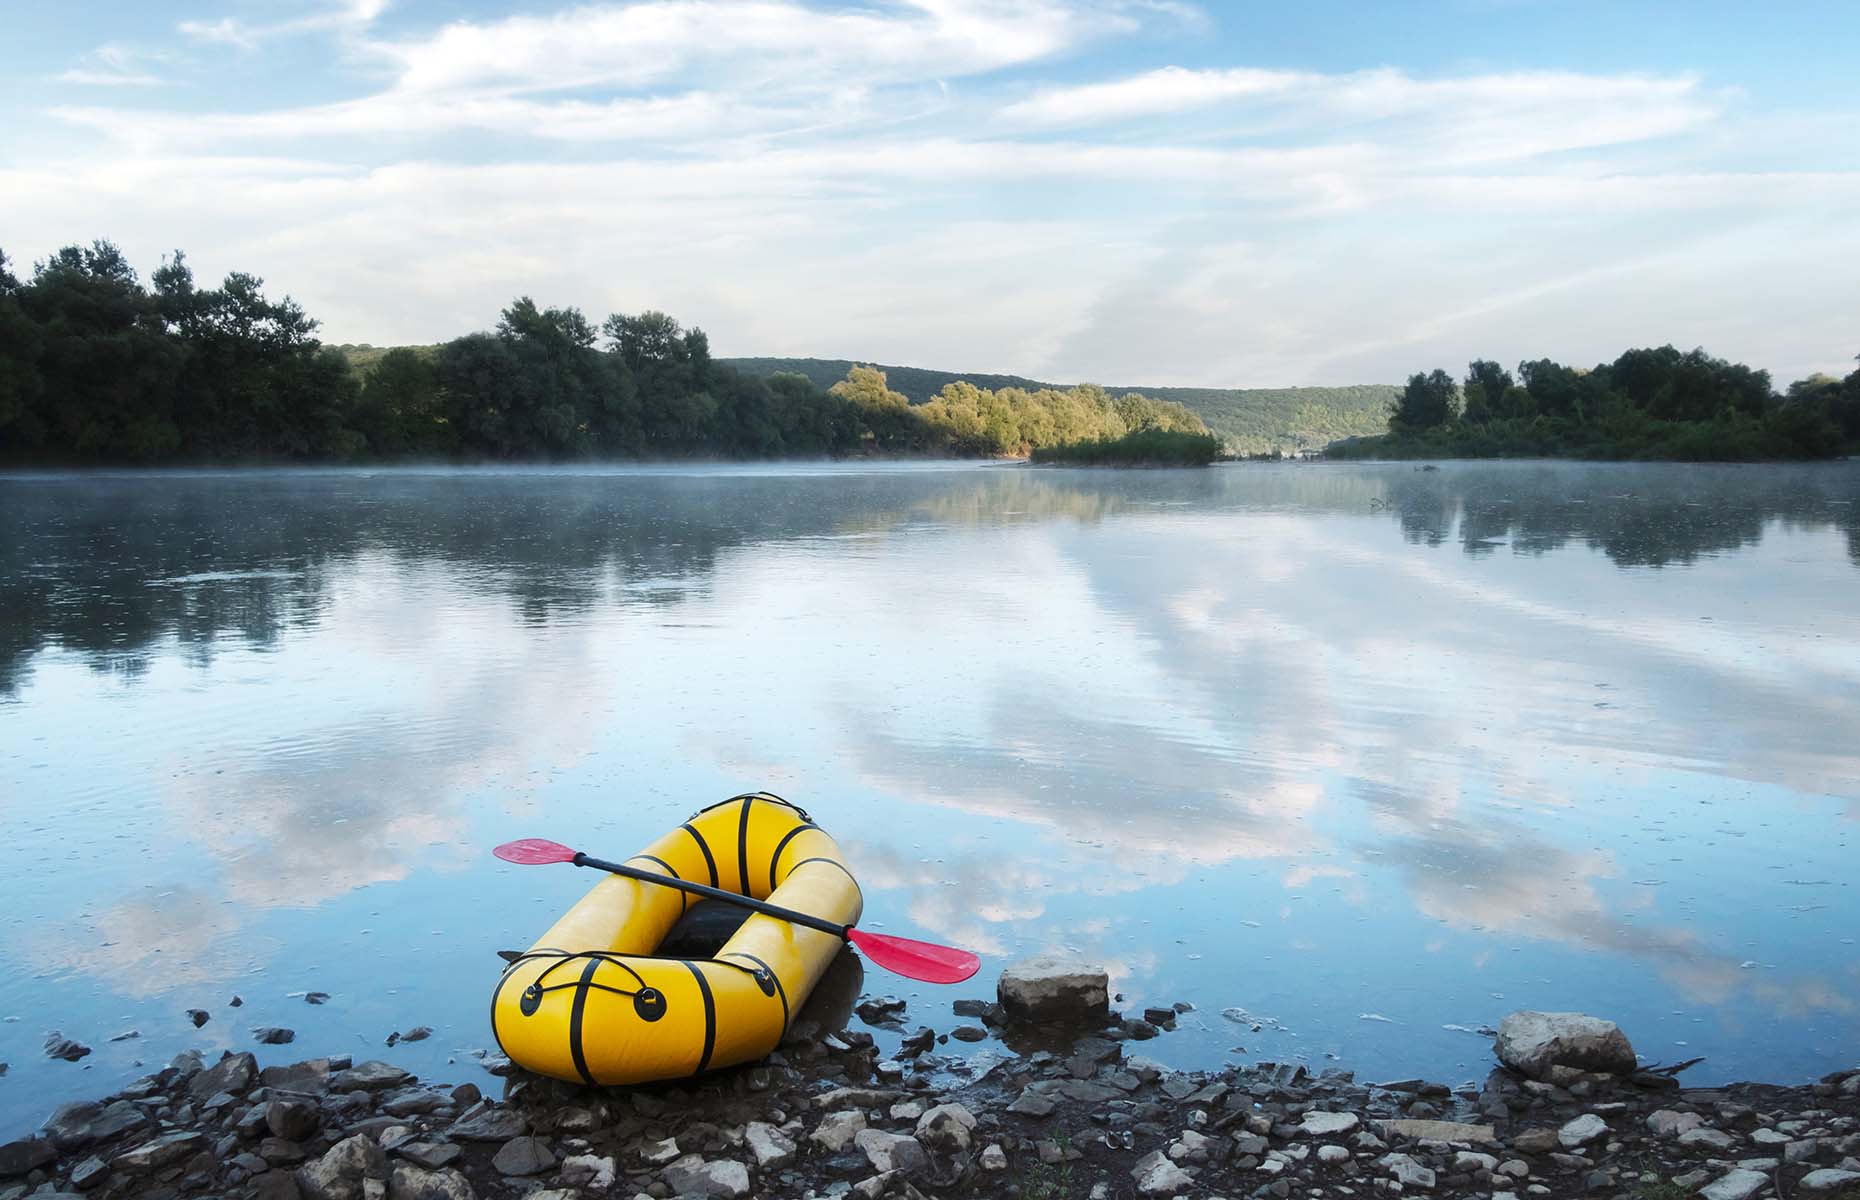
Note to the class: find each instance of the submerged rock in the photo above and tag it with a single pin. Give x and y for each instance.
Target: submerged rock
(57, 1045)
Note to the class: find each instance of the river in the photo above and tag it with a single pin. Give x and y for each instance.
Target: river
(1361, 756)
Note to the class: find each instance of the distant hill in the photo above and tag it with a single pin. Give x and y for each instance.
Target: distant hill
(1249, 420)
(363, 357)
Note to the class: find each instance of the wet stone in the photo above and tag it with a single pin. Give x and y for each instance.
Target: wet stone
(58, 1046)
(1737, 1185)
(292, 1120)
(431, 1155)
(273, 1035)
(159, 1152)
(523, 1156)
(373, 1076)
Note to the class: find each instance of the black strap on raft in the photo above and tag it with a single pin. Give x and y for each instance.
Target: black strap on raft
(648, 1001)
(771, 797)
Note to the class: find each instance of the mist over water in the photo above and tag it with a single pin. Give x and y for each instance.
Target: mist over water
(1364, 751)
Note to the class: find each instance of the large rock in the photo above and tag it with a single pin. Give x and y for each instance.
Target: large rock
(1581, 1131)
(891, 1151)
(1442, 1131)
(1738, 1185)
(1828, 1179)
(415, 1183)
(1155, 1175)
(590, 1171)
(692, 1176)
(947, 1128)
(524, 1156)
(159, 1152)
(340, 1173)
(292, 1120)
(1329, 1124)
(488, 1122)
(1054, 987)
(25, 1156)
(1407, 1171)
(1534, 1042)
(234, 1074)
(373, 1076)
(771, 1146)
(1670, 1123)
(77, 1125)
(837, 1129)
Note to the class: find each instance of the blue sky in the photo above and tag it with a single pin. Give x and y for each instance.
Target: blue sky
(1127, 191)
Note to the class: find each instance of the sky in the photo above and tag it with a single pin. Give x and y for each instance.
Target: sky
(1239, 194)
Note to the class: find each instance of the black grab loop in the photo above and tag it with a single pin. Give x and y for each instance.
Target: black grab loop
(649, 1003)
(771, 797)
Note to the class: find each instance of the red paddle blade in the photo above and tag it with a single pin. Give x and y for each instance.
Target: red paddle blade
(534, 852)
(916, 960)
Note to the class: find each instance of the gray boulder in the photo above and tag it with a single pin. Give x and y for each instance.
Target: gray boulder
(770, 1145)
(234, 1074)
(1534, 1042)
(947, 1128)
(25, 1156)
(1155, 1175)
(292, 1120)
(1737, 1185)
(369, 1077)
(837, 1129)
(1581, 1131)
(340, 1173)
(77, 1125)
(488, 1122)
(523, 1156)
(159, 1152)
(891, 1151)
(1828, 1179)
(415, 1183)
(692, 1176)
(1054, 987)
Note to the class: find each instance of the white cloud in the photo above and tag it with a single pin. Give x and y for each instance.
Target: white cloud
(340, 17)
(799, 178)
(114, 65)
(1168, 90)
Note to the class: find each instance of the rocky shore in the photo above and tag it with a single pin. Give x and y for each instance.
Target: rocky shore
(1567, 1111)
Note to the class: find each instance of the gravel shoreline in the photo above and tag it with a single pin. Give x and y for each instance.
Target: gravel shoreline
(827, 1116)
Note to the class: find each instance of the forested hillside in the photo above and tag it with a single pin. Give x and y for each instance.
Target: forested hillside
(96, 367)
(1248, 420)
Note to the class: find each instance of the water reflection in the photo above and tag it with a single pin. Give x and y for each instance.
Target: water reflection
(1324, 741)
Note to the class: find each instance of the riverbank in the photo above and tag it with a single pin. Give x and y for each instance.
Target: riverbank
(1072, 1110)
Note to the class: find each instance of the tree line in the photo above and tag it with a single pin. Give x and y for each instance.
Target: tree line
(97, 367)
(1648, 403)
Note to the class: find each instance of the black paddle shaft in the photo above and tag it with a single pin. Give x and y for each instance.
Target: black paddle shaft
(711, 893)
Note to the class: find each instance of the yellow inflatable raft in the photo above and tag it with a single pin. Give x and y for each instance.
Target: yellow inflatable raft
(589, 1002)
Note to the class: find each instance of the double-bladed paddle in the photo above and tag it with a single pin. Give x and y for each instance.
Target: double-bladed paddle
(908, 957)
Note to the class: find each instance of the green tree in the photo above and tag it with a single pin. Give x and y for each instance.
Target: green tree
(21, 426)
(1426, 403)
(1493, 380)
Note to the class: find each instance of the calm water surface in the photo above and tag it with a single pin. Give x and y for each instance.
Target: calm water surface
(1373, 753)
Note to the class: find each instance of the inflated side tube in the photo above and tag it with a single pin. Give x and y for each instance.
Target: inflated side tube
(589, 1001)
